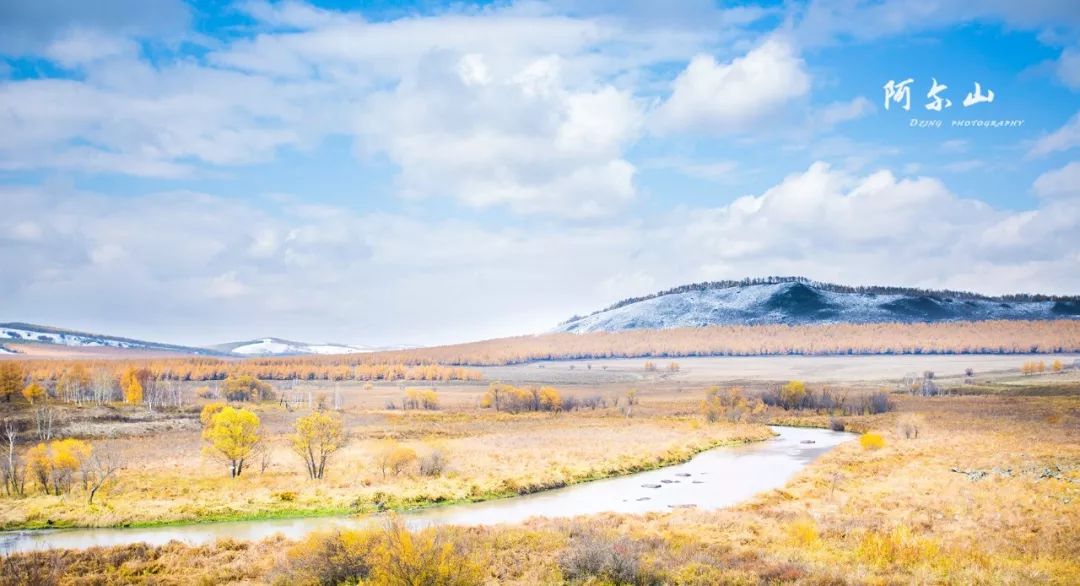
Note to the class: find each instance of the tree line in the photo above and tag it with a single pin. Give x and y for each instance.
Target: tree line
(983, 337)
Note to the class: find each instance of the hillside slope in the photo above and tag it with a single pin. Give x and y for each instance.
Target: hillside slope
(280, 347)
(23, 333)
(792, 300)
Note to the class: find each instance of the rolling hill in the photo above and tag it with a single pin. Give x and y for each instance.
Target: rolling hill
(280, 347)
(15, 334)
(799, 301)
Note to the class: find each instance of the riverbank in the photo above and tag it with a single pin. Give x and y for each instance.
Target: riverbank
(984, 492)
(489, 456)
(718, 477)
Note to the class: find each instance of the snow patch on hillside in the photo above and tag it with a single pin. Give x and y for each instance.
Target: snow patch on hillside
(63, 339)
(796, 303)
(275, 347)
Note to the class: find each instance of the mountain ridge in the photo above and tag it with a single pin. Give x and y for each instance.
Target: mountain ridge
(798, 300)
(271, 346)
(23, 333)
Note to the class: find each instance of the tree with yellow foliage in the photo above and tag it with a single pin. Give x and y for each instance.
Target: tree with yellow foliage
(421, 399)
(394, 457)
(317, 436)
(208, 412)
(33, 392)
(11, 378)
(792, 394)
(54, 465)
(131, 386)
(234, 435)
(550, 399)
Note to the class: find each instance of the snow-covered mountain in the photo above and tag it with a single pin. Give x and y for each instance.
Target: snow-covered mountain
(23, 333)
(794, 300)
(279, 347)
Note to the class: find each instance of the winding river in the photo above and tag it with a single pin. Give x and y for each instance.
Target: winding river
(713, 479)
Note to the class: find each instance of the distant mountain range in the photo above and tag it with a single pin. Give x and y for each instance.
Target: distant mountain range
(23, 333)
(14, 334)
(796, 300)
(773, 300)
(279, 347)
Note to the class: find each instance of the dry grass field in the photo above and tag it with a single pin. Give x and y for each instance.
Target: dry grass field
(169, 478)
(978, 485)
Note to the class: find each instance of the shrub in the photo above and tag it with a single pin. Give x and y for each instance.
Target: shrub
(328, 559)
(879, 403)
(430, 556)
(433, 463)
(897, 547)
(246, 388)
(616, 561)
(836, 424)
(871, 441)
(426, 399)
(731, 404)
(792, 394)
(394, 458)
(909, 426)
(803, 532)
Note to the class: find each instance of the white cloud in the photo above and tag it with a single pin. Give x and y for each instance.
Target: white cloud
(29, 27)
(520, 138)
(839, 112)
(1063, 182)
(1067, 68)
(1062, 139)
(79, 47)
(701, 169)
(829, 21)
(721, 98)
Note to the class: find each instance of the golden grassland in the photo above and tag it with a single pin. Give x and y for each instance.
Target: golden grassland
(489, 455)
(972, 489)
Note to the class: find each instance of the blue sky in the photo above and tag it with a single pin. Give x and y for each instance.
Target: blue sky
(389, 172)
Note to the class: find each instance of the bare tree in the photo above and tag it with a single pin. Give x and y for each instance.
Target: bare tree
(43, 421)
(104, 385)
(103, 465)
(14, 475)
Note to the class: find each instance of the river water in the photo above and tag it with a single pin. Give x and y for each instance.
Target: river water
(713, 479)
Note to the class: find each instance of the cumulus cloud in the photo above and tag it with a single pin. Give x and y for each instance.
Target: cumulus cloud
(515, 136)
(523, 103)
(725, 97)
